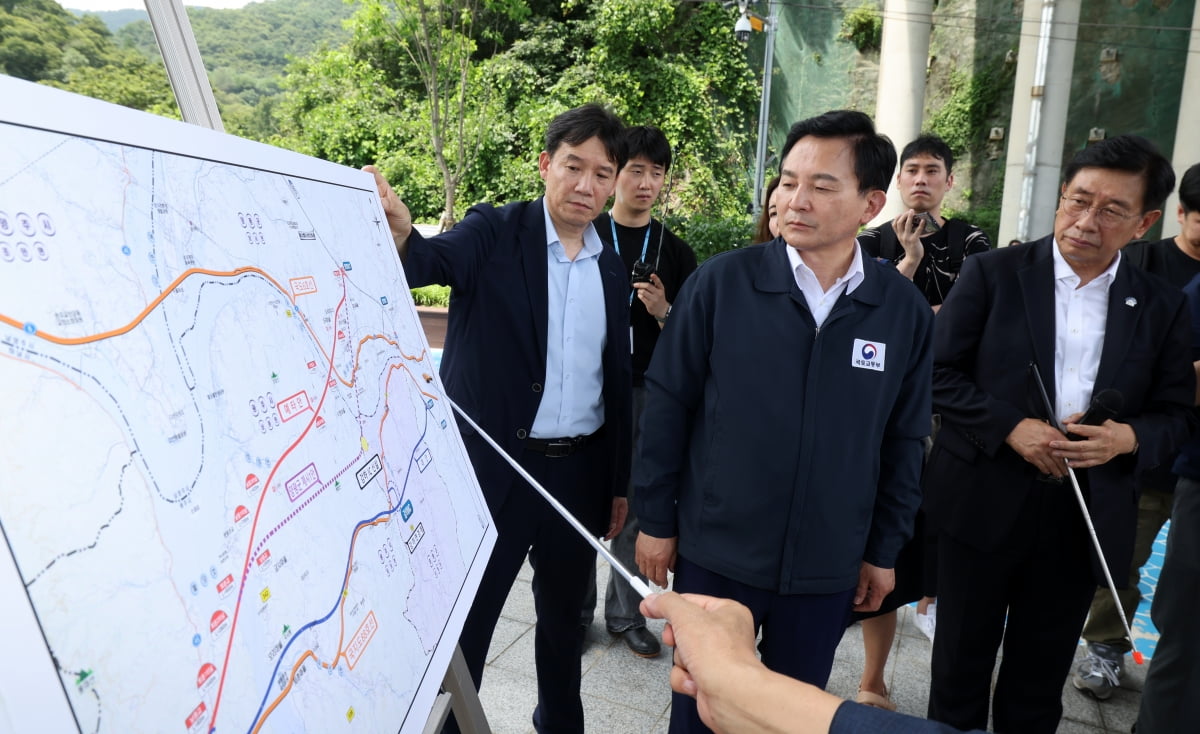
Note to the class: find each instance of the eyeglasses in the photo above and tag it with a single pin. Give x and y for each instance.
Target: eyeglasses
(1104, 216)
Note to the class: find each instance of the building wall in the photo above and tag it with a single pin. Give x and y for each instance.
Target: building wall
(975, 42)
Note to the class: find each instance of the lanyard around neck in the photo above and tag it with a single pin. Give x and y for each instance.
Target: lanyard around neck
(617, 243)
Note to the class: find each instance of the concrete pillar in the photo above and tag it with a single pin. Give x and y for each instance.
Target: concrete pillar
(1187, 142)
(1039, 119)
(903, 61)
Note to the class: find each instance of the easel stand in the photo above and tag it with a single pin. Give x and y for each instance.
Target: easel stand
(458, 694)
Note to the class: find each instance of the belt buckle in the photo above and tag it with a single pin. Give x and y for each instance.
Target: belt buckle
(559, 449)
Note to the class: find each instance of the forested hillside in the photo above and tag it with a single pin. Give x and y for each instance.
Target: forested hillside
(114, 19)
(246, 51)
(42, 42)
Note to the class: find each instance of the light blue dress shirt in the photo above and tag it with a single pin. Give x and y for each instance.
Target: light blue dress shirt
(572, 398)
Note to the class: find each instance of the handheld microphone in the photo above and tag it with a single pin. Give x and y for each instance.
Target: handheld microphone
(1105, 404)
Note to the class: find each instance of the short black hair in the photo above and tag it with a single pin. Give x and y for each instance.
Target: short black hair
(1189, 189)
(874, 154)
(1132, 154)
(577, 126)
(650, 143)
(931, 145)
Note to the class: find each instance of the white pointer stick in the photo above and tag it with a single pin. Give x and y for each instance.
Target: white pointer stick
(638, 585)
(1087, 518)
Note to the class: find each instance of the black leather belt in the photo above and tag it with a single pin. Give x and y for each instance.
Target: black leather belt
(557, 448)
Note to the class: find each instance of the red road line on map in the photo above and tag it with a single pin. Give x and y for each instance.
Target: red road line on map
(386, 410)
(258, 512)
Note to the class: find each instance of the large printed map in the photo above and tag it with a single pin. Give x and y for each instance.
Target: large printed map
(232, 493)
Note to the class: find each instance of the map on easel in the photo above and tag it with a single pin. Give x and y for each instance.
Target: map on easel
(232, 494)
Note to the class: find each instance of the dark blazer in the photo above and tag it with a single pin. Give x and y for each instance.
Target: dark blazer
(494, 363)
(996, 322)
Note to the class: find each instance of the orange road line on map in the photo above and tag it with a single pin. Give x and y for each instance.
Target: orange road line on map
(73, 341)
(286, 689)
(346, 585)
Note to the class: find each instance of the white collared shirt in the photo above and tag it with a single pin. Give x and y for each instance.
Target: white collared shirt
(1080, 317)
(821, 301)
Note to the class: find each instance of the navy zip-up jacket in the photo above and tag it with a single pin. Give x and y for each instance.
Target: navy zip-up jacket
(782, 455)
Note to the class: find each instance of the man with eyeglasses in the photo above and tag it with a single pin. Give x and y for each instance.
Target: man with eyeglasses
(1015, 557)
(1176, 260)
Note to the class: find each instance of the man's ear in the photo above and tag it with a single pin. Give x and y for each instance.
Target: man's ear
(543, 164)
(876, 198)
(1148, 220)
(949, 181)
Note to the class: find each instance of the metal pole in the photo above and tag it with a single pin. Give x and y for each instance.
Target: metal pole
(1087, 516)
(638, 585)
(764, 107)
(185, 69)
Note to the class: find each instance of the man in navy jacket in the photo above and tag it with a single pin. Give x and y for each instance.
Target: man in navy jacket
(537, 352)
(1014, 555)
(786, 404)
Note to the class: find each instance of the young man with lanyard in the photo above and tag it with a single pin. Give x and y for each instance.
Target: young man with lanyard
(930, 258)
(658, 263)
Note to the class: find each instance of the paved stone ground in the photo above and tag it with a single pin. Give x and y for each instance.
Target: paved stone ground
(624, 693)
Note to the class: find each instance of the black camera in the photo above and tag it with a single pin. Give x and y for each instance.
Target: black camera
(641, 273)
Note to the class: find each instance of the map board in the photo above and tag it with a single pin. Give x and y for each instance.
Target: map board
(232, 495)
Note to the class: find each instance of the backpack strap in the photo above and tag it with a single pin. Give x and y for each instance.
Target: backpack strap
(956, 237)
(889, 246)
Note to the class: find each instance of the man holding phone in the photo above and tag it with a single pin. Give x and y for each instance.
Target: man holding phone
(929, 251)
(925, 247)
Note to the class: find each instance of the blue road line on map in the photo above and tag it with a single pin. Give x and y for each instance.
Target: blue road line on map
(279, 661)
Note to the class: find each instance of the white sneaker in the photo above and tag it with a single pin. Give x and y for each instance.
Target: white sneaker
(927, 622)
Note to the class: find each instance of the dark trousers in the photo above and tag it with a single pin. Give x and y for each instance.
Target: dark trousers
(1034, 592)
(800, 632)
(1171, 695)
(621, 602)
(527, 524)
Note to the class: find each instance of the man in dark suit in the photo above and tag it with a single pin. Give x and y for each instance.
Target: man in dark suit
(1015, 558)
(537, 352)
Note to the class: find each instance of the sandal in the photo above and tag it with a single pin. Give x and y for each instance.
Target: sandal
(875, 700)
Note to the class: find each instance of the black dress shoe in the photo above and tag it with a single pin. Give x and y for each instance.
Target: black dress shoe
(642, 642)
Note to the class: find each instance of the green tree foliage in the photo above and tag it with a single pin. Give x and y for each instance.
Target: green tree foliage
(653, 61)
(246, 52)
(438, 44)
(36, 36)
(41, 42)
(863, 27)
(131, 81)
